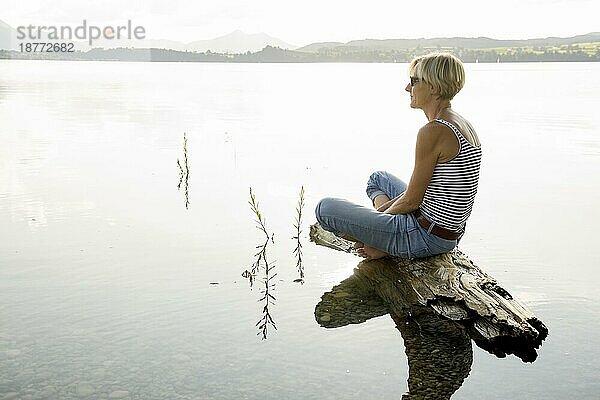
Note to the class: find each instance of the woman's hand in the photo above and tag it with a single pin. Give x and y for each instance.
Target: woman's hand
(383, 207)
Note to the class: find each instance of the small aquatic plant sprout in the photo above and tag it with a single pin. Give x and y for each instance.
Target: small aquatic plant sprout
(261, 259)
(298, 228)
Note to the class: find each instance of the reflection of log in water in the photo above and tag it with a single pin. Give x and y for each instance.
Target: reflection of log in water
(184, 173)
(439, 351)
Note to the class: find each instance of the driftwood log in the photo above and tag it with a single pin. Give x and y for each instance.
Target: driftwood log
(448, 285)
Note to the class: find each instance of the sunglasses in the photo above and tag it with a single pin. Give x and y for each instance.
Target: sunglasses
(414, 80)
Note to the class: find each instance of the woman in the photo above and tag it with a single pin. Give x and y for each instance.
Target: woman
(427, 216)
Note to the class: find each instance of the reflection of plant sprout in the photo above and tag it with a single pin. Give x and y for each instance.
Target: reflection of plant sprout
(261, 259)
(298, 226)
(184, 173)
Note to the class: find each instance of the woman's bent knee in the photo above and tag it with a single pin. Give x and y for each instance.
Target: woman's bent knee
(375, 178)
(377, 174)
(374, 187)
(325, 209)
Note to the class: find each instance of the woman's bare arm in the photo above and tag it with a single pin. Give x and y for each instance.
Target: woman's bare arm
(427, 153)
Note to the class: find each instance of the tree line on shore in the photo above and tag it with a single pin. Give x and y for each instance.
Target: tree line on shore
(574, 52)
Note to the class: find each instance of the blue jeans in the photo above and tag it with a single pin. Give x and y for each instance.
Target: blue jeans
(399, 235)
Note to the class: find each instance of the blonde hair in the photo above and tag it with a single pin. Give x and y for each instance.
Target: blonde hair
(443, 71)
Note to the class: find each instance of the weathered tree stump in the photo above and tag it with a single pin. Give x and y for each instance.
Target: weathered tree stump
(449, 285)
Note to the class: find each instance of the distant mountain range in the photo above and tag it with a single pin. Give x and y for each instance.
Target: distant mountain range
(232, 43)
(238, 42)
(7, 36)
(241, 47)
(455, 42)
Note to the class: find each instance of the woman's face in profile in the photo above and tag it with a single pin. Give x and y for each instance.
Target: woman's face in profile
(419, 92)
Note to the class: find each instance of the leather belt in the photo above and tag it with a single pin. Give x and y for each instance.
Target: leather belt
(437, 230)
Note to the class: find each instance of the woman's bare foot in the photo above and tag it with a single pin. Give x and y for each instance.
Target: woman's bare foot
(359, 248)
(368, 252)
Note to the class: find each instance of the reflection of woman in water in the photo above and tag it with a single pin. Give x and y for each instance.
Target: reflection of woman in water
(427, 216)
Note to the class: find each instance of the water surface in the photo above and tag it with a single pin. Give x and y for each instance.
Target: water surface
(109, 285)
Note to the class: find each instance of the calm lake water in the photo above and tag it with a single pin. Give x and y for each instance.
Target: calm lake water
(110, 287)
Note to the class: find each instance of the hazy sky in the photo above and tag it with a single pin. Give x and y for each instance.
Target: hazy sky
(303, 22)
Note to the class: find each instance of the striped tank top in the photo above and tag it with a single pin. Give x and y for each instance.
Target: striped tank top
(448, 200)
